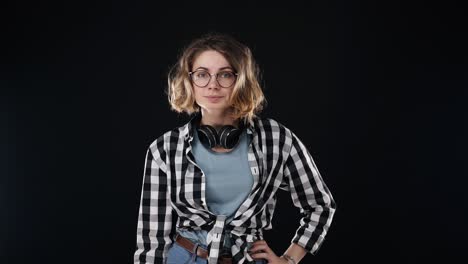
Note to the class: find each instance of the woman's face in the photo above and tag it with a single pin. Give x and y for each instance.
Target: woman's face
(212, 96)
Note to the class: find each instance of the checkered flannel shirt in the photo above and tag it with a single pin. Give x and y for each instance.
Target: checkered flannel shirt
(173, 193)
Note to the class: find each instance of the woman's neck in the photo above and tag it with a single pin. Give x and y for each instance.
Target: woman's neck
(217, 120)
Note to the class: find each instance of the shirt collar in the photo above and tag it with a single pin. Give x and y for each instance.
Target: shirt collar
(188, 128)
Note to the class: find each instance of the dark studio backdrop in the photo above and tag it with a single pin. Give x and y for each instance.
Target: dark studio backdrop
(375, 90)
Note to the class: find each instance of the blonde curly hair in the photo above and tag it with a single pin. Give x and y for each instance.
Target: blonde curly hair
(247, 99)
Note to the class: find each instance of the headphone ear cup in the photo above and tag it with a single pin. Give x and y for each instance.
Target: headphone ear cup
(208, 136)
(229, 136)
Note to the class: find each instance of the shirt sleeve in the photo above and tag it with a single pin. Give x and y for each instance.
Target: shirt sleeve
(310, 194)
(155, 229)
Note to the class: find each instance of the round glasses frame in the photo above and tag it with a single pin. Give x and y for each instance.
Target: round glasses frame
(211, 75)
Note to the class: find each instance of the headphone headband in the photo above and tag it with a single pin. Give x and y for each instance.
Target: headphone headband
(227, 137)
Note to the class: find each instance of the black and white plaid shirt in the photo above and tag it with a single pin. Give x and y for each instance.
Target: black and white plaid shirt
(173, 184)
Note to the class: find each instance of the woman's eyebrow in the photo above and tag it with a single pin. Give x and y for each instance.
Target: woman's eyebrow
(222, 68)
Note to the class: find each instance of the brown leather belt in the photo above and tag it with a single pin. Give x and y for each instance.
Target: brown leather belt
(189, 245)
(224, 258)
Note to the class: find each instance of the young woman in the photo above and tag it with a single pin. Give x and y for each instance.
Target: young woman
(209, 186)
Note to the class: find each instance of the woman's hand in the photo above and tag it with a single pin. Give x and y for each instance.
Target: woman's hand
(260, 250)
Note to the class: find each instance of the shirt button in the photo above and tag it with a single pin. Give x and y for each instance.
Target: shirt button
(255, 170)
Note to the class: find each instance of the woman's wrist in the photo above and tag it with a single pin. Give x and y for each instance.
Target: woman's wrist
(289, 259)
(294, 253)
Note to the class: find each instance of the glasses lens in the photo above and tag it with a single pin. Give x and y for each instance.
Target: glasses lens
(226, 78)
(201, 78)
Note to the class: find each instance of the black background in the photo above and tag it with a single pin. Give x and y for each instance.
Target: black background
(376, 90)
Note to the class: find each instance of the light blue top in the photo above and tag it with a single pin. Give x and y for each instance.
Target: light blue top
(228, 181)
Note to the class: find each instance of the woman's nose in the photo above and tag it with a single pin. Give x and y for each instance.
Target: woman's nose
(213, 82)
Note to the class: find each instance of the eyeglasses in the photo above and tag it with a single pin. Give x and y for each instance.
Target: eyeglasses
(202, 78)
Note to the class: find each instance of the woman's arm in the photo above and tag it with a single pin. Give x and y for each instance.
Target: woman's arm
(155, 213)
(309, 193)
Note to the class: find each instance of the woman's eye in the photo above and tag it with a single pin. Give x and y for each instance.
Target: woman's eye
(226, 75)
(202, 75)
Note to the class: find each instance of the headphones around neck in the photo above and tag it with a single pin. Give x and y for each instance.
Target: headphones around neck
(227, 137)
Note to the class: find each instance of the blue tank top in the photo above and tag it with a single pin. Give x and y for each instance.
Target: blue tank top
(228, 181)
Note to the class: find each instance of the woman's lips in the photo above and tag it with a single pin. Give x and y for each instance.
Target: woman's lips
(214, 99)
